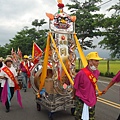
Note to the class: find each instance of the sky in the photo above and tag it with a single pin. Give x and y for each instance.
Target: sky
(16, 14)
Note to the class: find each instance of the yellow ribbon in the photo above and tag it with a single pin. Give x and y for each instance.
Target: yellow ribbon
(99, 92)
(44, 69)
(83, 58)
(63, 66)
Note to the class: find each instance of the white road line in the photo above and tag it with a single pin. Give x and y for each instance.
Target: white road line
(117, 84)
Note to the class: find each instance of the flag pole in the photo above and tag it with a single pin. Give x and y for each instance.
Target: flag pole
(33, 50)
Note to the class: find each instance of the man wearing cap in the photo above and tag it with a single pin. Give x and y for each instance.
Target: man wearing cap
(30, 62)
(85, 88)
(9, 75)
(24, 68)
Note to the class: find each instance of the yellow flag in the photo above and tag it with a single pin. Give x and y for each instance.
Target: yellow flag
(83, 58)
(45, 63)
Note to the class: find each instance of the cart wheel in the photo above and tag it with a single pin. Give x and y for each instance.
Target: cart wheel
(38, 107)
(50, 116)
(72, 111)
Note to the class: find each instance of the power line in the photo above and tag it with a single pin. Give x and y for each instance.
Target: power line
(104, 3)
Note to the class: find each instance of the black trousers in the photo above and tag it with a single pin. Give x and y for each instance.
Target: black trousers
(12, 93)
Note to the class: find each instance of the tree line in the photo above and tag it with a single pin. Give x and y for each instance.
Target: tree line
(89, 24)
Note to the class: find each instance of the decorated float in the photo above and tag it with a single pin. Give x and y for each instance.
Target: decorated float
(53, 77)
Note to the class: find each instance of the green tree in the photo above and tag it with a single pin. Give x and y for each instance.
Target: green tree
(38, 24)
(3, 51)
(21, 40)
(88, 21)
(24, 39)
(111, 24)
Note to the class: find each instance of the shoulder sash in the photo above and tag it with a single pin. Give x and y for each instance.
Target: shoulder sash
(27, 69)
(91, 77)
(93, 80)
(11, 76)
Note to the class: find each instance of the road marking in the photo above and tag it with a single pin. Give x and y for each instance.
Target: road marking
(117, 84)
(107, 102)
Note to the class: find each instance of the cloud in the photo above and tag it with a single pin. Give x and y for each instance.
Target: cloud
(6, 33)
(15, 14)
(15, 9)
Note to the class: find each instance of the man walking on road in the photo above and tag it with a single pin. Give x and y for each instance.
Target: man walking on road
(9, 82)
(85, 89)
(24, 68)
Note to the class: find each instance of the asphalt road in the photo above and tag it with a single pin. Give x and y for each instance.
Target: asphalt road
(108, 107)
(29, 112)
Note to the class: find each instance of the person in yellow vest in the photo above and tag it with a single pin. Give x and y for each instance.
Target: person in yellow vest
(9, 74)
(24, 68)
(85, 89)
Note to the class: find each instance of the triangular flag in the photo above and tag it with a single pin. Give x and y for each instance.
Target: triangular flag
(36, 53)
(12, 51)
(19, 53)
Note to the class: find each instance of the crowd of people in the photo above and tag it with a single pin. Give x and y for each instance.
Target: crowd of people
(84, 84)
(9, 77)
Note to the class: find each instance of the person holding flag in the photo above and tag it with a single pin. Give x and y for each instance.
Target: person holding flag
(85, 88)
(25, 73)
(9, 84)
